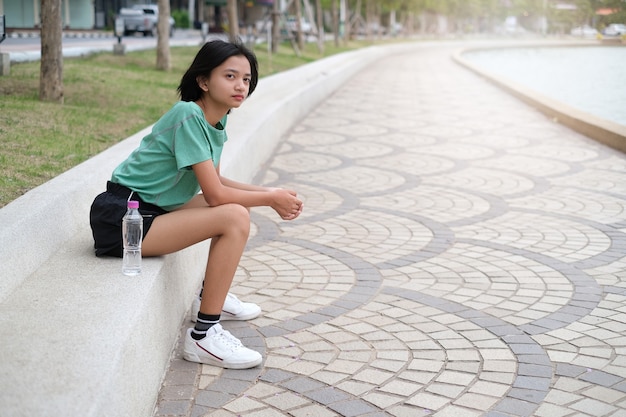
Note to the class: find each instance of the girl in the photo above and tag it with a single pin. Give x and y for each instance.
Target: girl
(177, 160)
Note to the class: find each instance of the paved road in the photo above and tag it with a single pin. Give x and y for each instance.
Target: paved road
(460, 255)
(27, 47)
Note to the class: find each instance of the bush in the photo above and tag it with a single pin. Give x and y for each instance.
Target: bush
(181, 17)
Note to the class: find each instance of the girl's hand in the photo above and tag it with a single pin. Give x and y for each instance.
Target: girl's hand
(286, 203)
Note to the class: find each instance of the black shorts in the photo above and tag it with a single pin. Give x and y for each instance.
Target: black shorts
(106, 215)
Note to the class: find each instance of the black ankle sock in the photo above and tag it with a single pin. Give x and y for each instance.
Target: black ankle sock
(204, 323)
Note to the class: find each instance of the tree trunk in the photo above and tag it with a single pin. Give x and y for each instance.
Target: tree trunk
(163, 61)
(233, 20)
(51, 67)
(335, 13)
(299, 34)
(346, 34)
(275, 28)
(357, 20)
(320, 25)
(368, 20)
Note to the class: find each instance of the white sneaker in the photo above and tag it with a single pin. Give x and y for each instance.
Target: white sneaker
(220, 348)
(234, 309)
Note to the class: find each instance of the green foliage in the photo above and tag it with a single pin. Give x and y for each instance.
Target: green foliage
(181, 17)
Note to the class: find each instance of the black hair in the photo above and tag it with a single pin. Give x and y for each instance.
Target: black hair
(212, 55)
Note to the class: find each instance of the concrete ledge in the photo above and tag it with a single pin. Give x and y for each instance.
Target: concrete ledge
(604, 131)
(79, 338)
(22, 33)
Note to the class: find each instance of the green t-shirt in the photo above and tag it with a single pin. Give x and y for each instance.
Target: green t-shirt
(159, 170)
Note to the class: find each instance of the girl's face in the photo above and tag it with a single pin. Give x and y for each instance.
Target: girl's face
(227, 86)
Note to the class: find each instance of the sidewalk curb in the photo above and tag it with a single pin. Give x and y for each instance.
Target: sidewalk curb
(604, 131)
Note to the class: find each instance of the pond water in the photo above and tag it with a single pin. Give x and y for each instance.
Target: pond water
(590, 78)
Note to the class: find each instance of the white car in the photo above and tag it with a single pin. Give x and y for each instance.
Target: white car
(292, 25)
(143, 18)
(584, 32)
(615, 29)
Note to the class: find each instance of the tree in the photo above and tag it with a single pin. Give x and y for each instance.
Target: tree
(275, 28)
(233, 19)
(51, 68)
(335, 13)
(299, 34)
(320, 25)
(163, 61)
(584, 13)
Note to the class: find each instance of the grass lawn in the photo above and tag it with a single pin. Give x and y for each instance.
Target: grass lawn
(107, 98)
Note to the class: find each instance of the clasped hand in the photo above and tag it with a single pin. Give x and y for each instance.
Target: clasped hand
(286, 203)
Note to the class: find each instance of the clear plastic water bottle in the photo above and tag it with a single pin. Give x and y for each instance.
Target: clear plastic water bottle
(132, 234)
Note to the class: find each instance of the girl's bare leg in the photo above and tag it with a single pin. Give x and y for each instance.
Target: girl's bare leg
(228, 227)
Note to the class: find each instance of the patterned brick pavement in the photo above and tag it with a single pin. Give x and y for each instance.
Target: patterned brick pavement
(459, 255)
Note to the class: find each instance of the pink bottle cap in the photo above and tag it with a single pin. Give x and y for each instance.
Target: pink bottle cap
(132, 204)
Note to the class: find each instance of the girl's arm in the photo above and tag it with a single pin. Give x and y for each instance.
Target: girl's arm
(250, 187)
(218, 190)
(243, 186)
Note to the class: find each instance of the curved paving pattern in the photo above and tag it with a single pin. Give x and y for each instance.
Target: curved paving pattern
(459, 255)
